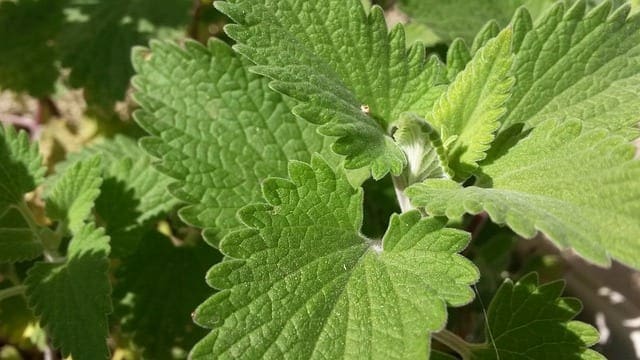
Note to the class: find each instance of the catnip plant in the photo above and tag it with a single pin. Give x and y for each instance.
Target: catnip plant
(356, 190)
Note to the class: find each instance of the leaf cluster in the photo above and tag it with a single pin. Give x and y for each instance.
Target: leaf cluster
(340, 173)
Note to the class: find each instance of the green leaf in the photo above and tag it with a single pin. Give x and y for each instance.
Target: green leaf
(21, 169)
(131, 181)
(17, 241)
(349, 73)
(71, 298)
(97, 40)
(218, 129)
(578, 64)
(473, 105)
(527, 321)
(164, 280)
(301, 282)
(73, 195)
(27, 31)
(579, 187)
(462, 18)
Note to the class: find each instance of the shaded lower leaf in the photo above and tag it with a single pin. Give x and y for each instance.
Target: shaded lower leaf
(531, 321)
(71, 298)
(579, 187)
(17, 241)
(158, 288)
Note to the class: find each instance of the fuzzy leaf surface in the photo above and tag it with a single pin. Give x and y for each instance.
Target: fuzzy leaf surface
(217, 128)
(301, 282)
(72, 298)
(21, 169)
(73, 195)
(580, 64)
(351, 75)
(579, 187)
(473, 105)
(462, 18)
(527, 321)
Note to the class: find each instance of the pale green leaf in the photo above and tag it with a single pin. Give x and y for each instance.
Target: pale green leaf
(580, 187)
(463, 18)
(17, 241)
(473, 105)
(21, 169)
(527, 321)
(301, 282)
(218, 129)
(71, 298)
(579, 64)
(73, 195)
(351, 75)
(426, 155)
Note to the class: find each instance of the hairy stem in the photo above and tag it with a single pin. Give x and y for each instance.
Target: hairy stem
(50, 240)
(454, 342)
(12, 291)
(26, 213)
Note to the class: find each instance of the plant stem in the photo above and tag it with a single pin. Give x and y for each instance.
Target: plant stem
(12, 291)
(50, 240)
(26, 213)
(454, 342)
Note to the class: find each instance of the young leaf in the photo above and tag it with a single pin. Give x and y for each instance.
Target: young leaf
(218, 129)
(17, 241)
(300, 281)
(72, 298)
(527, 321)
(166, 281)
(426, 155)
(473, 105)
(27, 31)
(575, 185)
(21, 169)
(73, 195)
(350, 74)
(578, 64)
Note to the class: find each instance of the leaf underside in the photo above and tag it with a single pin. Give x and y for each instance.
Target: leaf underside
(577, 186)
(301, 282)
(464, 19)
